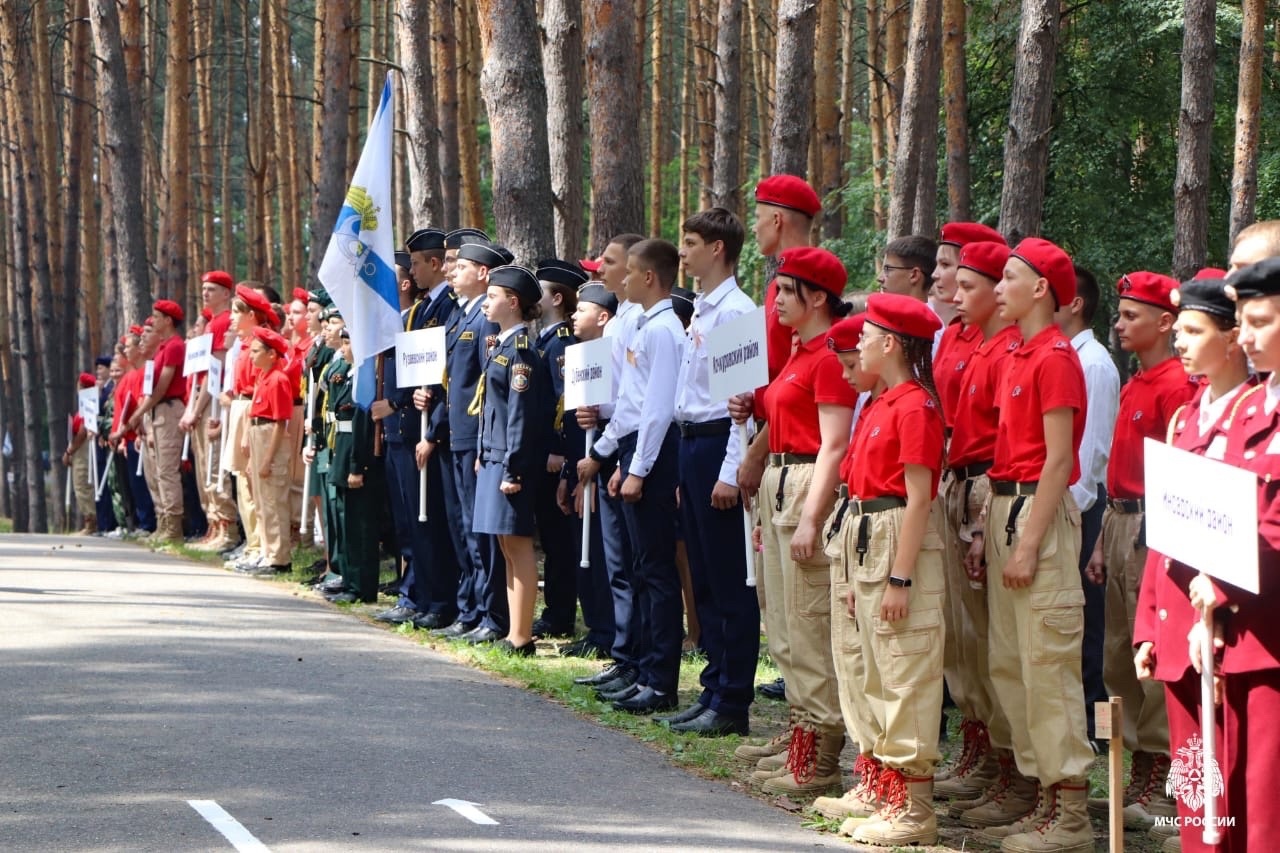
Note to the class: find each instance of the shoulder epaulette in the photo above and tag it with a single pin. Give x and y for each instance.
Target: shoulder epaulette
(563, 332)
(1231, 416)
(453, 295)
(522, 342)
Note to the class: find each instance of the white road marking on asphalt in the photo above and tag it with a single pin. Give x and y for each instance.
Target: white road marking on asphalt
(231, 829)
(468, 810)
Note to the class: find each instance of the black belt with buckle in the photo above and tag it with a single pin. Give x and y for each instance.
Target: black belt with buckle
(720, 426)
(260, 421)
(779, 460)
(1127, 505)
(1008, 488)
(968, 472)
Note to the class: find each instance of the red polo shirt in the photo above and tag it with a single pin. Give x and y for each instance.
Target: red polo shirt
(902, 427)
(973, 436)
(218, 327)
(1044, 374)
(127, 395)
(955, 350)
(1147, 402)
(77, 423)
(811, 377)
(173, 353)
(273, 395)
(246, 374)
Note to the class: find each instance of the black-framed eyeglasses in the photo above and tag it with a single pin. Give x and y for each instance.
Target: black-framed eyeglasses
(890, 267)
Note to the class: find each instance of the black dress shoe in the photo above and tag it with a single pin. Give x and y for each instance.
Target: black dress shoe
(621, 693)
(528, 650)
(543, 628)
(457, 629)
(476, 636)
(583, 648)
(396, 615)
(776, 689)
(336, 585)
(713, 724)
(624, 679)
(693, 711)
(646, 701)
(609, 673)
(343, 598)
(429, 620)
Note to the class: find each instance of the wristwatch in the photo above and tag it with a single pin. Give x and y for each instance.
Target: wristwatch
(902, 582)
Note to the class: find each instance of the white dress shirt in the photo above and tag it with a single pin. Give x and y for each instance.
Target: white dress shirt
(693, 387)
(619, 329)
(646, 398)
(1102, 388)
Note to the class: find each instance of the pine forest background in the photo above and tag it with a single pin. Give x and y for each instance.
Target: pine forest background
(144, 142)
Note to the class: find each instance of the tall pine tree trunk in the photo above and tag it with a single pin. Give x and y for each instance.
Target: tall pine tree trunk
(617, 183)
(124, 159)
(725, 191)
(657, 115)
(469, 116)
(826, 179)
(562, 59)
(1026, 149)
(793, 109)
(515, 98)
(446, 68)
(330, 169)
(1195, 138)
(913, 181)
(413, 32)
(956, 103)
(172, 275)
(1244, 174)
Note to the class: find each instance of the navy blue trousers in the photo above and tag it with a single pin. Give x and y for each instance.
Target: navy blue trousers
(103, 457)
(143, 507)
(435, 570)
(1095, 610)
(485, 566)
(558, 534)
(651, 524)
(615, 539)
(594, 593)
(728, 610)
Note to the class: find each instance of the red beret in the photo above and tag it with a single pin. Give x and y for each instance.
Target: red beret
(170, 309)
(207, 314)
(1209, 273)
(964, 233)
(790, 192)
(258, 302)
(301, 294)
(843, 336)
(146, 324)
(135, 329)
(1050, 263)
(985, 258)
(272, 339)
(1150, 288)
(590, 265)
(814, 266)
(87, 380)
(218, 277)
(903, 314)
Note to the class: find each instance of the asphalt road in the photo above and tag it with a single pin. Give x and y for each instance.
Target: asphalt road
(132, 683)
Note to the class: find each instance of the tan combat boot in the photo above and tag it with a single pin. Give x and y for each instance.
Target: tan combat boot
(1065, 827)
(953, 767)
(1151, 800)
(168, 531)
(217, 530)
(974, 772)
(813, 763)
(858, 801)
(1013, 796)
(778, 744)
(1026, 823)
(906, 814)
(1172, 844)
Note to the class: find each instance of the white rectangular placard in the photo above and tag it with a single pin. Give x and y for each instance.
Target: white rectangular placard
(420, 357)
(588, 373)
(214, 378)
(198, 355)
(148, 378)
(739, 356)
(87, 398)
(1203, 513)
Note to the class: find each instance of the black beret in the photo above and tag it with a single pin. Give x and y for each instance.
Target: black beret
(425, 239)
(345, 333)
(1255, 280)
(102, 361)
(404, 260)
(519, 279)
(682, 304)
(320, 298)
(331, 313)
(1205, 294)
(562, 272)
(486, 254)
(598, 294)
(454, 239)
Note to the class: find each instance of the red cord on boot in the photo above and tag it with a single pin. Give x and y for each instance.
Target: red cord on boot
(802, 755)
